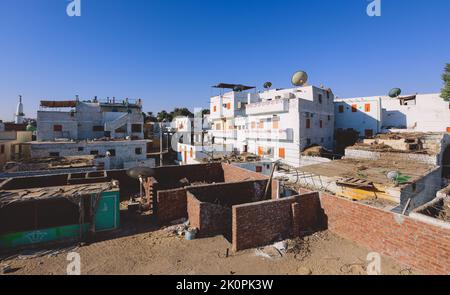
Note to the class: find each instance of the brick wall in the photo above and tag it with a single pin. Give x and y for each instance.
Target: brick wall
(193, 210)
(233, 174)
(261, 223)
(171, 205)
(421, 246)
(210, 219)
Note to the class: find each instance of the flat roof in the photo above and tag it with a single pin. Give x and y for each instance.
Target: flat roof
(233, 86)
(371, 170)
(69, 192)
(50, 163)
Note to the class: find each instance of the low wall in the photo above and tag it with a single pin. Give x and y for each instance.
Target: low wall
(262, 223)
(422, 246)
(352, 153)
(210, 219)
(171, 205)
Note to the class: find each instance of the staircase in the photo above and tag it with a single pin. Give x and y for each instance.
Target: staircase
(117, 123)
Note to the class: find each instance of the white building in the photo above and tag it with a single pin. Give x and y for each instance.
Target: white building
(275, 124)
(112, 130)
(371, 115)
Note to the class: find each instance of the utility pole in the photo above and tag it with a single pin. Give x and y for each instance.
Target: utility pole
(160, 144)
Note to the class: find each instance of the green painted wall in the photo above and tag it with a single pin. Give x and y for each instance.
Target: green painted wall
(107, 218)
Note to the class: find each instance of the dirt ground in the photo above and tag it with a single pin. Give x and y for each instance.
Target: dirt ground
(153, 251)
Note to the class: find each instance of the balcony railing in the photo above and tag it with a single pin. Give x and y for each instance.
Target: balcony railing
(223, 133)
(275, 134)
(268, 107)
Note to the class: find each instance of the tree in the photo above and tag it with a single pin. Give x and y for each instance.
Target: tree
(164, 116)
(181, 112)
(149, 117)
(445, 92)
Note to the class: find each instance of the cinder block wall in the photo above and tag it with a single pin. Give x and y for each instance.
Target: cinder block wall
(416, 244)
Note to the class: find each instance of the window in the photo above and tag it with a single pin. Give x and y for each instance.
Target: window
(98, 128)
(329, 118)
(138, 151)
(320, 98)
(94, 153)
(2, 149)
(322, 140)
(308, 141)
(320, 123)
(218, 127)
(308, 123)
(136, 128)
(57, 128)
(354, 108)
(367, 107)
(53, 154)
(258, 169)
(253, 125)
(275, 123)
(229, 106)
(80, 148)
(328, 94)
(448, 129)
(261, 124)
(191, 153)
(112, 153)
(214, 109)
(341, 109)
(281, 153)
(260, 151)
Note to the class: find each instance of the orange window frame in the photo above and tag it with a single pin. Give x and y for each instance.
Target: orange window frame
(260, 151)
(275, 124)
(354, 108)
(282, 153)
(367, 107)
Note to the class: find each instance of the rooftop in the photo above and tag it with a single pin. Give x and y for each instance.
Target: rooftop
(370, 170)
(68, 192)
(50, 163)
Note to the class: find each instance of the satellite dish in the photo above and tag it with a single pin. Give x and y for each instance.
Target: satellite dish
(238, 88)
(138, 172)
(267, 85)
(395, 92)
(393, 175)
(299, 78)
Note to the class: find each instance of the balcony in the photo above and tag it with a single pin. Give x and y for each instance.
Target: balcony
(223, 133)
(268, 107)
(273, 134)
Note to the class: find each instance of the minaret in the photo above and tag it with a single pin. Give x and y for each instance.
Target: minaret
(19, 115)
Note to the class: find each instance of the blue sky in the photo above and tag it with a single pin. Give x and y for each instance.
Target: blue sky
(170, 52)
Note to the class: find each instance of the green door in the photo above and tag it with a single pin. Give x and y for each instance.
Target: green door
(107, 215)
